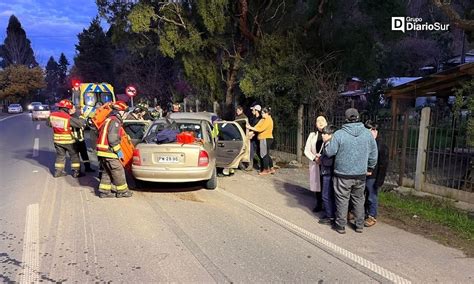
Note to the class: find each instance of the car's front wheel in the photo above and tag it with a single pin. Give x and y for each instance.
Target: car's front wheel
(212, 182)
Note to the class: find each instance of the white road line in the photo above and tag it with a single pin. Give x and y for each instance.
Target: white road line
(38, 127)
(327, 245)
(30, 258)
(36, 147)
(8, 117)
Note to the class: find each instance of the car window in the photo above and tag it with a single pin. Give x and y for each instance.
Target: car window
(181, 126)
(229, 132)
(40, 107)
(14, 105)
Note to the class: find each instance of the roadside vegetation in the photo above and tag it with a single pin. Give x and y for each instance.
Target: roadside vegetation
(435, 218)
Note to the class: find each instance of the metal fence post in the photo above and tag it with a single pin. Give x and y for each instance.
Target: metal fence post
(299, 136)
(403, 156)
(422, 149)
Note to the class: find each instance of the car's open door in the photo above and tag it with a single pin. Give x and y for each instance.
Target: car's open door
(136, 129)
(230, 145)
(242, 122)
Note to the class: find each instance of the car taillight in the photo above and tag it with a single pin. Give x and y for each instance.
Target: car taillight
(203, 159)
(137, 160)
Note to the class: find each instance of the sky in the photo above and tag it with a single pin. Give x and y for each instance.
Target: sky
(51, 25)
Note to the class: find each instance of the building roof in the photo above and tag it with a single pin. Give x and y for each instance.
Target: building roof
(439, 84)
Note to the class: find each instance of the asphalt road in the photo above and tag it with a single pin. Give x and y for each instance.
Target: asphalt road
(58, 230)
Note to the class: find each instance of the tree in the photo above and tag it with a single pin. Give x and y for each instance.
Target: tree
(94, 59)
(52, 77)
(449, 9)
(18, 82)
(16, 49)
(63, 84)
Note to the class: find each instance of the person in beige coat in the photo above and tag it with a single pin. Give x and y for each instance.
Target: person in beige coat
(312, 151)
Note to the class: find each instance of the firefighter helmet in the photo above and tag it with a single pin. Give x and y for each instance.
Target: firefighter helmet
(65, 104)
(120, 105)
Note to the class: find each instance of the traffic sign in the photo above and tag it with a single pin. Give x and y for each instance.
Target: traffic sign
(131, 91)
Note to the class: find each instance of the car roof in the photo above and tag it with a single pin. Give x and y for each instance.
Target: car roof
(208, 116)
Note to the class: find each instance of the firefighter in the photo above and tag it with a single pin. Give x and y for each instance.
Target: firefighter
(109, 153)
(62, 123)
(81, 148)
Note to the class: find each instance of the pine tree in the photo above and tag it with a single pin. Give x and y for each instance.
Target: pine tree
(16, 49)
(94, 61)
(62, 69)
(52, 76)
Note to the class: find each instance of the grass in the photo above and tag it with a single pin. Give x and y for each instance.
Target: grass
(431, 217)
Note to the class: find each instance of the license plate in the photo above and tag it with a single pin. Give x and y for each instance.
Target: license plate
(167, 159)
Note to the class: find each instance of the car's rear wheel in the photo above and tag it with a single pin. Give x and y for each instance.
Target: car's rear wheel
(212, 182)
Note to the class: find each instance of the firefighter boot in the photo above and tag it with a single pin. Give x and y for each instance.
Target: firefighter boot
(125, 193)
(59, 173)
(106, 194)
(88, 168)
(77, 174)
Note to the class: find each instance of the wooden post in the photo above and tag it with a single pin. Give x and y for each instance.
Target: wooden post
(422, 149)
(185, 102)
(403, 157)
(197, 105)
(299, 135)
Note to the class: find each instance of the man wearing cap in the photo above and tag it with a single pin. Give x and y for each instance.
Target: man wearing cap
(355, 152)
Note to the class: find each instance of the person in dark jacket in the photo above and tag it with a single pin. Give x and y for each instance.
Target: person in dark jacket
(355, 152)
(327, 174)
(62, 123)
(254, 119)
(376, 178)
(81, 146)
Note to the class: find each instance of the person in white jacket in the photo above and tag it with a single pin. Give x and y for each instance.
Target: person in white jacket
(312, 151)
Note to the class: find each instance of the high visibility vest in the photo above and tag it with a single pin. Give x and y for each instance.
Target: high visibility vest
(61, 124)
(103, 147)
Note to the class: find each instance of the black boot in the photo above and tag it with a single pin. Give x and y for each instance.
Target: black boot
(109, 194)
(77, 174)
(125, 193)
(319, 202)
(88, 168)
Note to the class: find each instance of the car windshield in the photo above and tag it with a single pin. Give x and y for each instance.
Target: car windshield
(14, 105)
(181, 126)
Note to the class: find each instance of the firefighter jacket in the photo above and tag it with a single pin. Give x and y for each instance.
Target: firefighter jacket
(110, 136)
(78, 133)
(62, 124)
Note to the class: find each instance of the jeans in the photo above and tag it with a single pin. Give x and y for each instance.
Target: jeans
(353, 189)
(267, 160)
(328, 196)
(371, 202)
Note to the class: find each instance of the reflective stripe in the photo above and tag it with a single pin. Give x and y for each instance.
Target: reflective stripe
(116, 148)
(85, 161)
(105, 186)
(64, 142)
(106, 154)
(58, 165)
(104, 135)
(122, 187)
(102, 147)
(75, 165)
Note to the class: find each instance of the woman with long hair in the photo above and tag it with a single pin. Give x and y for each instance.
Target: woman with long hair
(312, 151)
(265, 138)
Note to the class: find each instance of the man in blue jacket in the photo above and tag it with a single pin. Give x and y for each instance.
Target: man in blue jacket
(355, 152)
